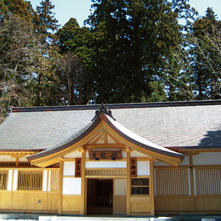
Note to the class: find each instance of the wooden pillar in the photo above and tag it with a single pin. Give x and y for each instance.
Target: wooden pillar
(17, 161)
(128, 183)
(192, 183)
(83, 194)
(60, 188)
(151, 184)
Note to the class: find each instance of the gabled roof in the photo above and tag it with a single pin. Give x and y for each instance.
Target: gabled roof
(104, 122)
(194, 124)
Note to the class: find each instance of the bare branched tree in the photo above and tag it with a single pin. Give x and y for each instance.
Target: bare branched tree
(19, 47)
(70, 70)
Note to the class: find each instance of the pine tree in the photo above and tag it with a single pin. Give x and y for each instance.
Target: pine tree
(45, 25)
(133, 41)
(45, 22)
(21, 8)
(74, 65)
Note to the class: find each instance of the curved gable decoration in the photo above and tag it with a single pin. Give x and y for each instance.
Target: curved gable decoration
(104, 120)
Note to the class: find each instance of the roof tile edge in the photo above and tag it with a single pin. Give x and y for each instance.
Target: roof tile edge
(118, 106)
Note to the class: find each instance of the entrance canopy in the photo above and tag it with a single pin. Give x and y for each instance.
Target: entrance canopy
(104, 125)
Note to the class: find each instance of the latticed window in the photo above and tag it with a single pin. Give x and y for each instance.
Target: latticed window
(3, 180)
(7, 164)
(140, 186)
(172, 182)
(208, 181)
(54, 180)
(30, 180)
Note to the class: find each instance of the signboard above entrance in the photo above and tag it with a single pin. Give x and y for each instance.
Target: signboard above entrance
(105, 155)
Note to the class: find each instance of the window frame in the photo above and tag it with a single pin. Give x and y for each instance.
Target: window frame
(140, 186)
(22, 184)
(5, 172)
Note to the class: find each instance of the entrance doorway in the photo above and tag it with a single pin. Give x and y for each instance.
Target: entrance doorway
(99, 196)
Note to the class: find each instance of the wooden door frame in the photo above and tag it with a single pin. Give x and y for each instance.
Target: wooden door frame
(86, 191)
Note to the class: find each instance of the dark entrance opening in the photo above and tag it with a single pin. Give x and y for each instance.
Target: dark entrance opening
(99, 196)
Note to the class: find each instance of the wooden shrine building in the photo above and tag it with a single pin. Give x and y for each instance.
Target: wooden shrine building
(130, 159)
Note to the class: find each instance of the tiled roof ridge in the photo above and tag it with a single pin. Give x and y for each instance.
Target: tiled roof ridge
(118, 106)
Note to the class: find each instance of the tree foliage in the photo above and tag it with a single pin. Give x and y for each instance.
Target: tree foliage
(206, 56)
(130, 51)
(133, 40)
(18, 45)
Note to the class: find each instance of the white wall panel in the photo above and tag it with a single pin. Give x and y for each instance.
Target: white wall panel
(75, 154)
(137, 154)
(109, 164)
(69, 168)
(72, 186)
(143, 168)
(45, 180)
(124, 154)
(159, 163)
(185, 162)
(23, 159)
(194, 181)
(15, 180)
(207, 159)
(189, 184)
(9, 188)
(120, 187)
(7, 158)
(49, 180)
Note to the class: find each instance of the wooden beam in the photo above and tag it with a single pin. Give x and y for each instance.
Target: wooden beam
(17, 155)
(85, 202)
(83, 195)
(60, 188)
(128, 183)
(151, 184)
(105, 146)
(17, 162)
(192, 183)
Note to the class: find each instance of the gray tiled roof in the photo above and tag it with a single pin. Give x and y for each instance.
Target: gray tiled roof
(165, 125)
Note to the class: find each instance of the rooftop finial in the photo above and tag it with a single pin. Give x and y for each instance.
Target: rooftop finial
(103, 109)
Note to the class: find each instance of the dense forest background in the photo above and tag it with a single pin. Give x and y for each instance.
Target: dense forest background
(128, 51)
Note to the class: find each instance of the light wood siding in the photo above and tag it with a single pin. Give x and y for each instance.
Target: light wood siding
(71, 204)
(172, 182)
(140, 204)
(208, 181)
(172, 190)
(173, 194)
(119, 204)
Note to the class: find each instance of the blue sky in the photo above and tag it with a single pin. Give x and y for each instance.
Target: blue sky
(80, 9)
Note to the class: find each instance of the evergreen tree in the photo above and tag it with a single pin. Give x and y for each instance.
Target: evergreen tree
(133, 39)
(206, 58)
(45, 25)
(74, 65)
(3, 9)
(21, 8)
(45, 22)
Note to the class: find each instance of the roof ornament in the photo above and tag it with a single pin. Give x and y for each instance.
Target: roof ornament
(103, 109)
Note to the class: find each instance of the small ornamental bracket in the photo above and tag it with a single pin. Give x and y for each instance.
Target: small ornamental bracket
(103, 109)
